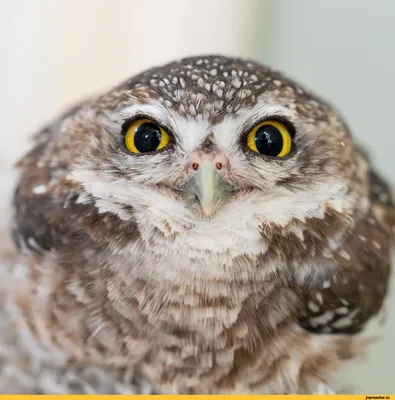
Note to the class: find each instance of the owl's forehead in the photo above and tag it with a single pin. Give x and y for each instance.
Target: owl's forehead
(214, 87)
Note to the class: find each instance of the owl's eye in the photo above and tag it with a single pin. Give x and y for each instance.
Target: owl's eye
(271, 138)
(144, 136)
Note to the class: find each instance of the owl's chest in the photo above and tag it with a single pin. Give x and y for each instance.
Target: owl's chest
(230, 235)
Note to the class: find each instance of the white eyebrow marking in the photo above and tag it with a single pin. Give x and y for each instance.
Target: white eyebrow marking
(227, 132)
(154, 108)
(190, 131)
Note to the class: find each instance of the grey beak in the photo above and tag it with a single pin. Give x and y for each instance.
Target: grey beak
(208, 188)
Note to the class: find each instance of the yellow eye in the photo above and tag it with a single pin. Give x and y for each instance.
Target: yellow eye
(271, 138)
(144, 136)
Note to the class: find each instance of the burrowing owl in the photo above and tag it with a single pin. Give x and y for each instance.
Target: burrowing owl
(207, 226)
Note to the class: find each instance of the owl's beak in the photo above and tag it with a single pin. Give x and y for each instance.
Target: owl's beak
(209, 189)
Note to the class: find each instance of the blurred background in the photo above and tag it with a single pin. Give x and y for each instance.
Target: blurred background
(54, 52)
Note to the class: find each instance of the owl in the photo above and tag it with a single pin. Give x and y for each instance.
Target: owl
(207, 226)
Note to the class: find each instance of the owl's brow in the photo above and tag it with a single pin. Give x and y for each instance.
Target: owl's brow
(261, 112)
(158, 113)
(152, 110)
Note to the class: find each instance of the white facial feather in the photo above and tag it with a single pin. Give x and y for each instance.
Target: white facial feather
(226, 232)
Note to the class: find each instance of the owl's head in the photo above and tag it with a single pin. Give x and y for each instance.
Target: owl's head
(209, 155)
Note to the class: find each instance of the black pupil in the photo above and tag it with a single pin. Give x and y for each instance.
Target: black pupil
(147, 137)
(268, 140)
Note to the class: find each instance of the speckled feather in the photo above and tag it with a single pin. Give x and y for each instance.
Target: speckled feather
(115, 274)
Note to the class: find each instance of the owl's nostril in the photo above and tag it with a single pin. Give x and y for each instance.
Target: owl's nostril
(217, 160)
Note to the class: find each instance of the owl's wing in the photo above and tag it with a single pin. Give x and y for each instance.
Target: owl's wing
(38, 201)
(348, 300)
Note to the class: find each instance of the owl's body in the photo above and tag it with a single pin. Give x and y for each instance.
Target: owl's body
(130, 270)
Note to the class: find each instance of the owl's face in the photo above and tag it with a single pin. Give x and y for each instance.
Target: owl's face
(214, 145)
